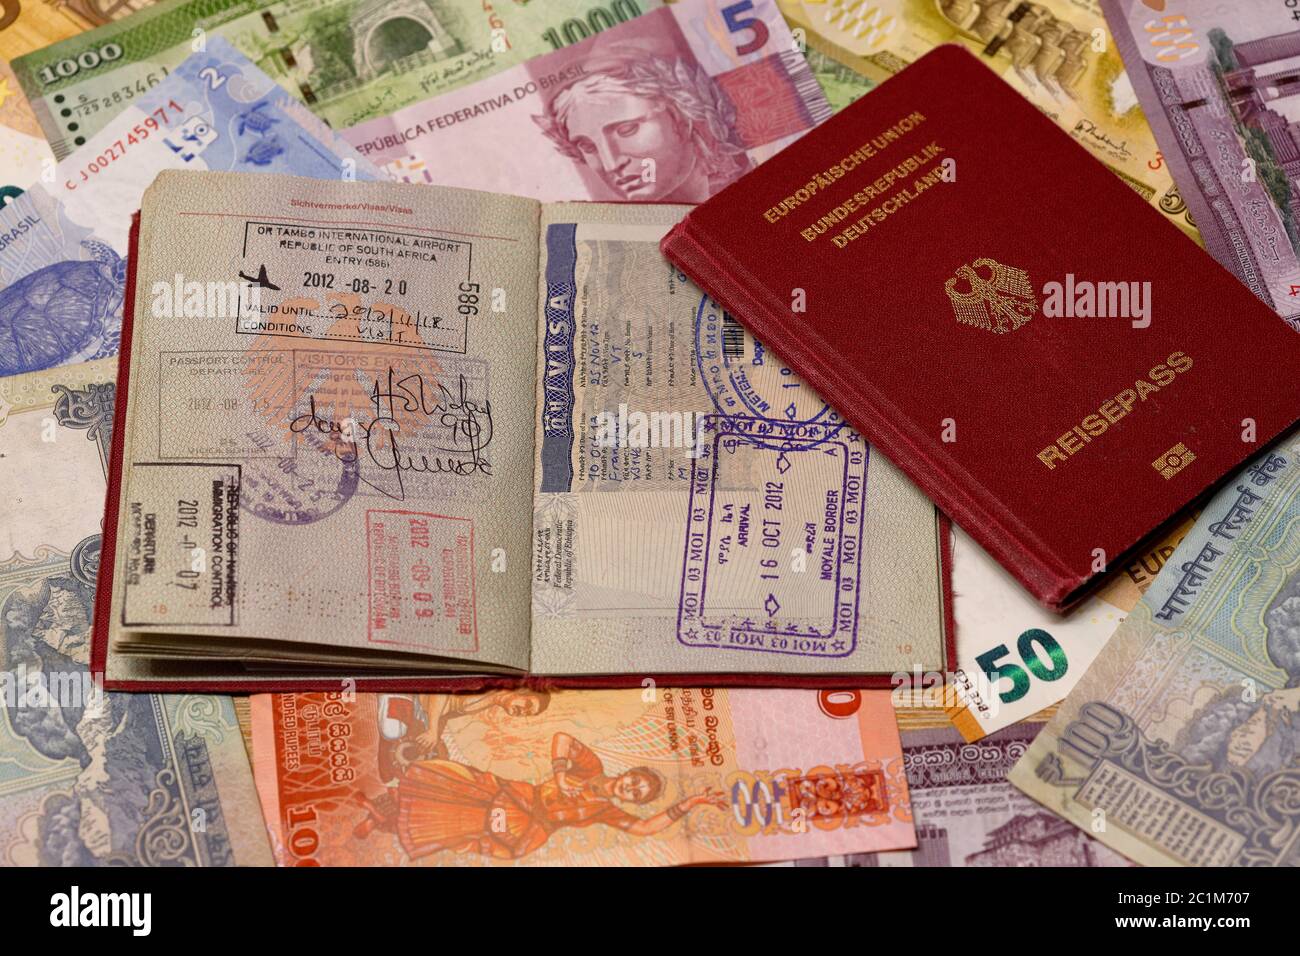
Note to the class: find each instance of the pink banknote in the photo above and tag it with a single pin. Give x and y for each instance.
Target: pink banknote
(650, 777)
(669, 107)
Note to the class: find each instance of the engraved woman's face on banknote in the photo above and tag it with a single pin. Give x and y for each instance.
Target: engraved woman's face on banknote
(651, 128)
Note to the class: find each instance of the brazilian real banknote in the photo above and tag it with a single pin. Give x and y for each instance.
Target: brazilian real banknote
(87, 777)
(967, 814)
(1181, 744)
(670, 107)
(1217, 82)
(63, 252)
(349, 60)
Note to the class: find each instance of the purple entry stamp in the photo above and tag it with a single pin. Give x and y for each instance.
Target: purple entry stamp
(773, 556)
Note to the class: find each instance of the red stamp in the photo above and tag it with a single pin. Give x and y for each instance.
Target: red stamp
(836, 795)
(421, 570)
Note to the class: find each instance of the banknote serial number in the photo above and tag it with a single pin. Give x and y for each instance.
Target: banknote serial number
(153, 123)
(116, 99)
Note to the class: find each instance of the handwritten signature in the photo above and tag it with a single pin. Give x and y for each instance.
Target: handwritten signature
(1099, 134)
(455, 429)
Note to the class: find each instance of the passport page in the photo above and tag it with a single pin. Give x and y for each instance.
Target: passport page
(327, 440)
(700, 509)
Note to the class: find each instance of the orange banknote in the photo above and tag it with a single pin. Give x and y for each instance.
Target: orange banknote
(653, 777)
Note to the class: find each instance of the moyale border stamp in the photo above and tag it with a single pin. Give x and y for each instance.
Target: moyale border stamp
(760, 553)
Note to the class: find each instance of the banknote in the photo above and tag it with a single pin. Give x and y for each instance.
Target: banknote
(763, 534)
(1057, 53)
(62, 253)
(349, 60)
(1013, 657)
(840, 84)
(24, 154)
(648, 777)
(27, 25)
(1217, 83)
(670, 107)
(967, 814)
(93, 778)
(1179, 745)
(77, 86)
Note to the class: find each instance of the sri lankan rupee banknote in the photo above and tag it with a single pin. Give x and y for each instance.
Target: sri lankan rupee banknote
(1181, 745)
(63, 253)
(1013, 657)
(967, 814)
(657, 776)
(86, 777)
(349, 60)
(1218, 83)
(670, 107)
(1057, 53)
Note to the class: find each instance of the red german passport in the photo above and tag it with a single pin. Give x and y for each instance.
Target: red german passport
(1004, 318)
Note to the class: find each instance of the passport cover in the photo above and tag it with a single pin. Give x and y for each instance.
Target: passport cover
(1058, 368)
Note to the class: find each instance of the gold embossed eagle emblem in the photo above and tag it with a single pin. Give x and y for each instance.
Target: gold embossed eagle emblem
(989, 295)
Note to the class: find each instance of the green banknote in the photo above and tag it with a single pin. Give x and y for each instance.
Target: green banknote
(1181, 744)
(349, 60)
(841, 84)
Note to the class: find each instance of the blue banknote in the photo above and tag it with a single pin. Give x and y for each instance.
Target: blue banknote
(86, 777)
(63, 250)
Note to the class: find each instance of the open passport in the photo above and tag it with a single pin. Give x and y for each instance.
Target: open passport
(420, 436)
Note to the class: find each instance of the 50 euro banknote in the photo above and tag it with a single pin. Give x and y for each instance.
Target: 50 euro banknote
(1057, 53)
(657, 776)
(669, 107)
(27, 25)
(1013, 657)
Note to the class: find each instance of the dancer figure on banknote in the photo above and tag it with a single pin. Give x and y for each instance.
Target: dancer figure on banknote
(440, 805)
(654, 129)
(411, 726)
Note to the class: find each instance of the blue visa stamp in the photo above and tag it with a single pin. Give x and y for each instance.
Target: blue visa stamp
(743, 378)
